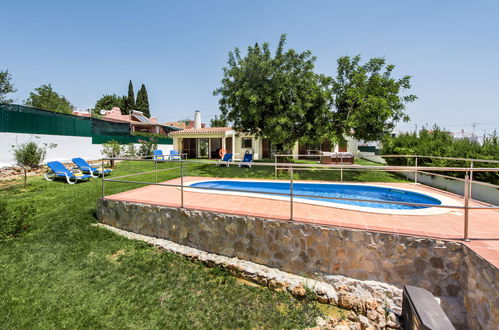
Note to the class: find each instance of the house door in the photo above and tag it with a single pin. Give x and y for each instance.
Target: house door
(189, 147)
(302, 150)
(215, 146)
(265, 148)
(228, 144)
(203, 148)
(343, 147)
(326, 146)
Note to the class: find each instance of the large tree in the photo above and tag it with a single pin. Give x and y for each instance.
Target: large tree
(130, 100)
(44, 97)
(106, 102)
(6, 86)
(142, 103)
(218, 122)
(277, 96)
(368, 101)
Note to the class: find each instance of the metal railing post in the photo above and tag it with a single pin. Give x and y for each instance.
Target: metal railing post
(156, 170)
(186, 165)
(416, 171)
(181, 183)
(341, 169)
(466, 204)
(102, 176)
(291, 194)
(275, 167)
(471, 182)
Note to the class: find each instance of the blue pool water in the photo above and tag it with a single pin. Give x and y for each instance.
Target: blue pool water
(315, 190)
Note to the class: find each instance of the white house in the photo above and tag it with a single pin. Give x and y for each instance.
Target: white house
(207, 142)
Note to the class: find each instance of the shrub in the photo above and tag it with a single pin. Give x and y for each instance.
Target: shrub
(147, 134)
(112, 149)
(437, 142)
(130, 151)
(31, 153)
(147, 147)
(14, 220)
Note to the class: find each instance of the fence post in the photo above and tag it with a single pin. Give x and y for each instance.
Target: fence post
(156, 170)
(466, 203)
(341, 169)
(471, 181)
(181, 184)
(275, 167)
(291, 194)
(416, 171)
(102, 176)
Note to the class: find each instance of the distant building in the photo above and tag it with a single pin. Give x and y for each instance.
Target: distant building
(138, 122)
(82, 113)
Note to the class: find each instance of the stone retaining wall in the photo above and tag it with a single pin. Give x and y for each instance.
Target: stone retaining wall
(447, 269)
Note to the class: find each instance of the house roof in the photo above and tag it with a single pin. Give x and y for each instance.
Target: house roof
(184, 125)
(206, 130)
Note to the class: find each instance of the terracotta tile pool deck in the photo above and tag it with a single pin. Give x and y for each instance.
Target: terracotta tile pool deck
(483, 224)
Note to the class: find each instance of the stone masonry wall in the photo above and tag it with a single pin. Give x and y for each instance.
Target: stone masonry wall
(447, 269)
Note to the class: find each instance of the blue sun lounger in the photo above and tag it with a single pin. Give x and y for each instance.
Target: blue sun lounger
(174, 155)
(226, 158)
(57, 170)
(87, 169)
(248, 158)
(158, 155)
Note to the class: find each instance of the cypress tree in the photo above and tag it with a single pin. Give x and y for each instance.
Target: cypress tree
(143, 101)
(130, 102)
(125, 108)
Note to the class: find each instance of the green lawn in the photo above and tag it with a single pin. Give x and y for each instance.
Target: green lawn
(64, 272)
(268, 172)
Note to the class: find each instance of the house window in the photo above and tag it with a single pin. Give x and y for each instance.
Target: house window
(246, 143)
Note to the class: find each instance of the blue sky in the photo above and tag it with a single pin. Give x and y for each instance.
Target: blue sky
(178, 48)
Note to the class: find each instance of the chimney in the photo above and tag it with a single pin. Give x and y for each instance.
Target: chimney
(197, 119)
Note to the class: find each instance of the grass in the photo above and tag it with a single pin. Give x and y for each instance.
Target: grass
(65, 273)
(267, 172)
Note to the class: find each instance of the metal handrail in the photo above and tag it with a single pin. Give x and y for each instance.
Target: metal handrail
(292, 195)
(460, 179)
(367, 167)
(147, 172)
(333, 153)
(442, 157)
(297, 195)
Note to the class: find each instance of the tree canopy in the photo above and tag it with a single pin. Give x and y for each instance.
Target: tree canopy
(279, 96)
(44, 97)
(367, 100)
(6, 86)
(218, 122)
(107, 102)
(142, 103)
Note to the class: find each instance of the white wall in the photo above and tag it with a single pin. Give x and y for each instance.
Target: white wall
(164, 147)
(372, 157)
(479, 192)
(67, 148)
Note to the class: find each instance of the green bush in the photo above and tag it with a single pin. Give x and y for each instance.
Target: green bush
(147, 147)
(14, 220)
(112, 149)
(130, 150)
(437, 142)
(30, 153)
(150, 135)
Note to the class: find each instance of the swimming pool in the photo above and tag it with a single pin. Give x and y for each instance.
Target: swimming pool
(311, 193)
